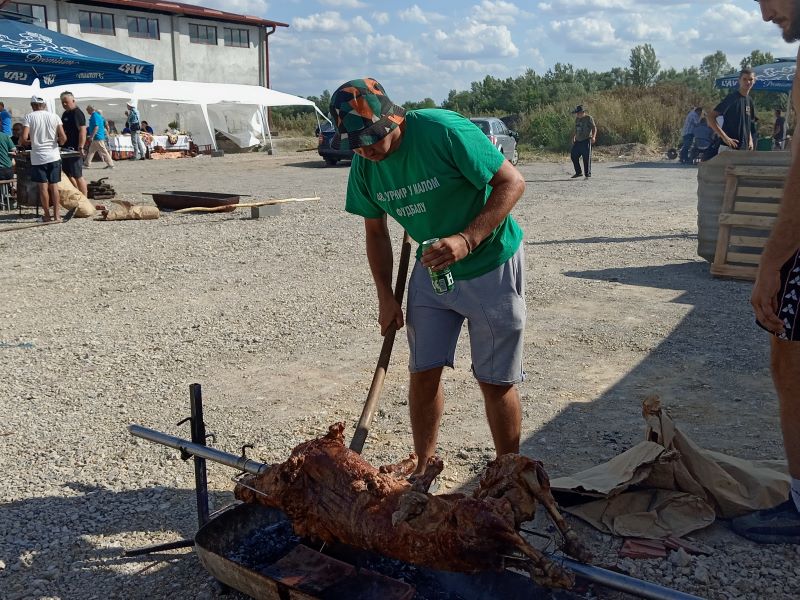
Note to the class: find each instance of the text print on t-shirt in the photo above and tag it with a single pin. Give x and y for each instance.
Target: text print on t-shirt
(404, 192)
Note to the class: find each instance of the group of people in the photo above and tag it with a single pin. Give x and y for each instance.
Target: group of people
(444, 182)
(67, 144)
(731, 125)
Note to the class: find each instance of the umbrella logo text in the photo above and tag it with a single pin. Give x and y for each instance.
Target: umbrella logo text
(15, 76)
(131, 69)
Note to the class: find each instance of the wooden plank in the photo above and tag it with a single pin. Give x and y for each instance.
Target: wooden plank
(746, 220)
(753, 172)
(748, 241)
(748, 273)
(756, 207)
(742, 257)
(759, 192)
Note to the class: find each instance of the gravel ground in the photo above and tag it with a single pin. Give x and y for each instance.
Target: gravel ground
(107, 324)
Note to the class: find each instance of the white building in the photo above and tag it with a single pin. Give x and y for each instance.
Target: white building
(184, 42)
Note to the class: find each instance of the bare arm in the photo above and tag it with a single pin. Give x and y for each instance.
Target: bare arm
(25, 138)
(81, 136)
(380, 258)
(782, 243)
(62, 137)
(507, 188)
(712, 122)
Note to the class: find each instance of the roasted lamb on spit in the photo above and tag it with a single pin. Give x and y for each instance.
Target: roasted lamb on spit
(332, 494)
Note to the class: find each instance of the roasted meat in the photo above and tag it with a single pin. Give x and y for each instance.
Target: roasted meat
(332, 494)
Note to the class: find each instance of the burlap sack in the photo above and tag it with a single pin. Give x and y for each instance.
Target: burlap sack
(71, 197)
(122, 210)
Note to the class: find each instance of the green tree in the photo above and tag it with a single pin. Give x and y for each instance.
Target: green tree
(715, 65)
(757, 57)
(426, 103)
(644, 66)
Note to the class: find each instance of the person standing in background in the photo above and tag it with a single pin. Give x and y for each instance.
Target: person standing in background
(779, 130)
(5, 119)
(582, 140)
(44, 132)
(737, 111)
(134, 125)
(692, 120)
(97, 139)
(74, 122)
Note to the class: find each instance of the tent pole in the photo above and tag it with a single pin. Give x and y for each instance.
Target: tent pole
(204, 108)
(269, 133)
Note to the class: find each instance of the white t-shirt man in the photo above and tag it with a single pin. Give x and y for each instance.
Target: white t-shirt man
(44, 137)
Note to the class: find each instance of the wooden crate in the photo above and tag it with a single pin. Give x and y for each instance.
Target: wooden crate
(749, 208)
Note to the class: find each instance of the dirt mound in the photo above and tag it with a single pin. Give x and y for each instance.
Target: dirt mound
(633, 151)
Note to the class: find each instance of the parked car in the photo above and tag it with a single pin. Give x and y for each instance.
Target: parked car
(501, 136)
(332, 156)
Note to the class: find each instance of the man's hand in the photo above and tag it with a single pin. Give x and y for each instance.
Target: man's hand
(730, 142)
(445, 252)
(389, 313)
(765, 298)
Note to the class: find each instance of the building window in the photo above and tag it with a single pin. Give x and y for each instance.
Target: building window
(202, 34)
(141, 27)
(96, 22)
(36, 11)
(236, 37)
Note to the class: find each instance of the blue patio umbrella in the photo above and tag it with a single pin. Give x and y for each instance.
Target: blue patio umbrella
(774, 77)
(28, 52)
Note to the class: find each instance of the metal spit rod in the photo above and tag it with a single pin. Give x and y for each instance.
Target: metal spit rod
(226, 458)
(609, 579)
(623, 583)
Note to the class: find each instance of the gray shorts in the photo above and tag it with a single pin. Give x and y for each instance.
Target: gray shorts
(494, 307)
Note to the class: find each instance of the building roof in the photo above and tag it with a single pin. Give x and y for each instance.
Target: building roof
(187, 10)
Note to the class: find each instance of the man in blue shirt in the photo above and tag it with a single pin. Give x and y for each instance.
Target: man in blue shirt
(97, 139)
(5, 119)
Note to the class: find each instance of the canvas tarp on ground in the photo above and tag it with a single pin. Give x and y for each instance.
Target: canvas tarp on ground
(200, 108)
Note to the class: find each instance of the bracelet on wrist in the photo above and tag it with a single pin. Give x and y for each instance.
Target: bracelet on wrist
(466, 241)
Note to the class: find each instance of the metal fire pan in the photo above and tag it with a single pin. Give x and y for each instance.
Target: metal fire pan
(219, 545)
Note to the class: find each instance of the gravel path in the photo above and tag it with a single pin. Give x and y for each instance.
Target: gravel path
(107, 324)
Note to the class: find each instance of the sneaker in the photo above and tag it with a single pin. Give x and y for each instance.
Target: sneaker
(778, 525)
(588, 175)
(109, 167)
(576, 176)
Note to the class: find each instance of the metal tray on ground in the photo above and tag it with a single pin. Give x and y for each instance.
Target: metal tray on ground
(253, 549)
(179, 200)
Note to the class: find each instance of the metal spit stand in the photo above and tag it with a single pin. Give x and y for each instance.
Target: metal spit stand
(199, 436)
(202, 452)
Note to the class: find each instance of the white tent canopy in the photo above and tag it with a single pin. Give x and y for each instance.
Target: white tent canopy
(237, 111)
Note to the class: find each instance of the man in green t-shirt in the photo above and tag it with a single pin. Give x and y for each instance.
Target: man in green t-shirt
(439, 176)
(582, 140)
(7, 153)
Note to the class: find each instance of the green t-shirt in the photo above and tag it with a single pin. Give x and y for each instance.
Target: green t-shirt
(6, 146)
(434, 185)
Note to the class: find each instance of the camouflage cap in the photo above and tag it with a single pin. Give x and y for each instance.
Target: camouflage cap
(363, 114)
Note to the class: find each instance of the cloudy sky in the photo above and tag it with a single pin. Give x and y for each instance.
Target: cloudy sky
(425, 49)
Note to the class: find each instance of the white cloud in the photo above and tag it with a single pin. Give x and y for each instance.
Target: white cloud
(326, 22)
(474, 39)
(380, 18)
(414, 14)
(362, 25)
(497, 12)
(585, 34)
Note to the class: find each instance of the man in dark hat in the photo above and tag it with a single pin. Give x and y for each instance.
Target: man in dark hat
(439, 176)
(582, 140)
(776, 301)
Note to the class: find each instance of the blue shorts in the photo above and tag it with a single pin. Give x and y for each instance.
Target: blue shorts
(789, 300)
(494, 307)
(46, 173)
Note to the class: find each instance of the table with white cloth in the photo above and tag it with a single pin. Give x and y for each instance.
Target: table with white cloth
(121, 146)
